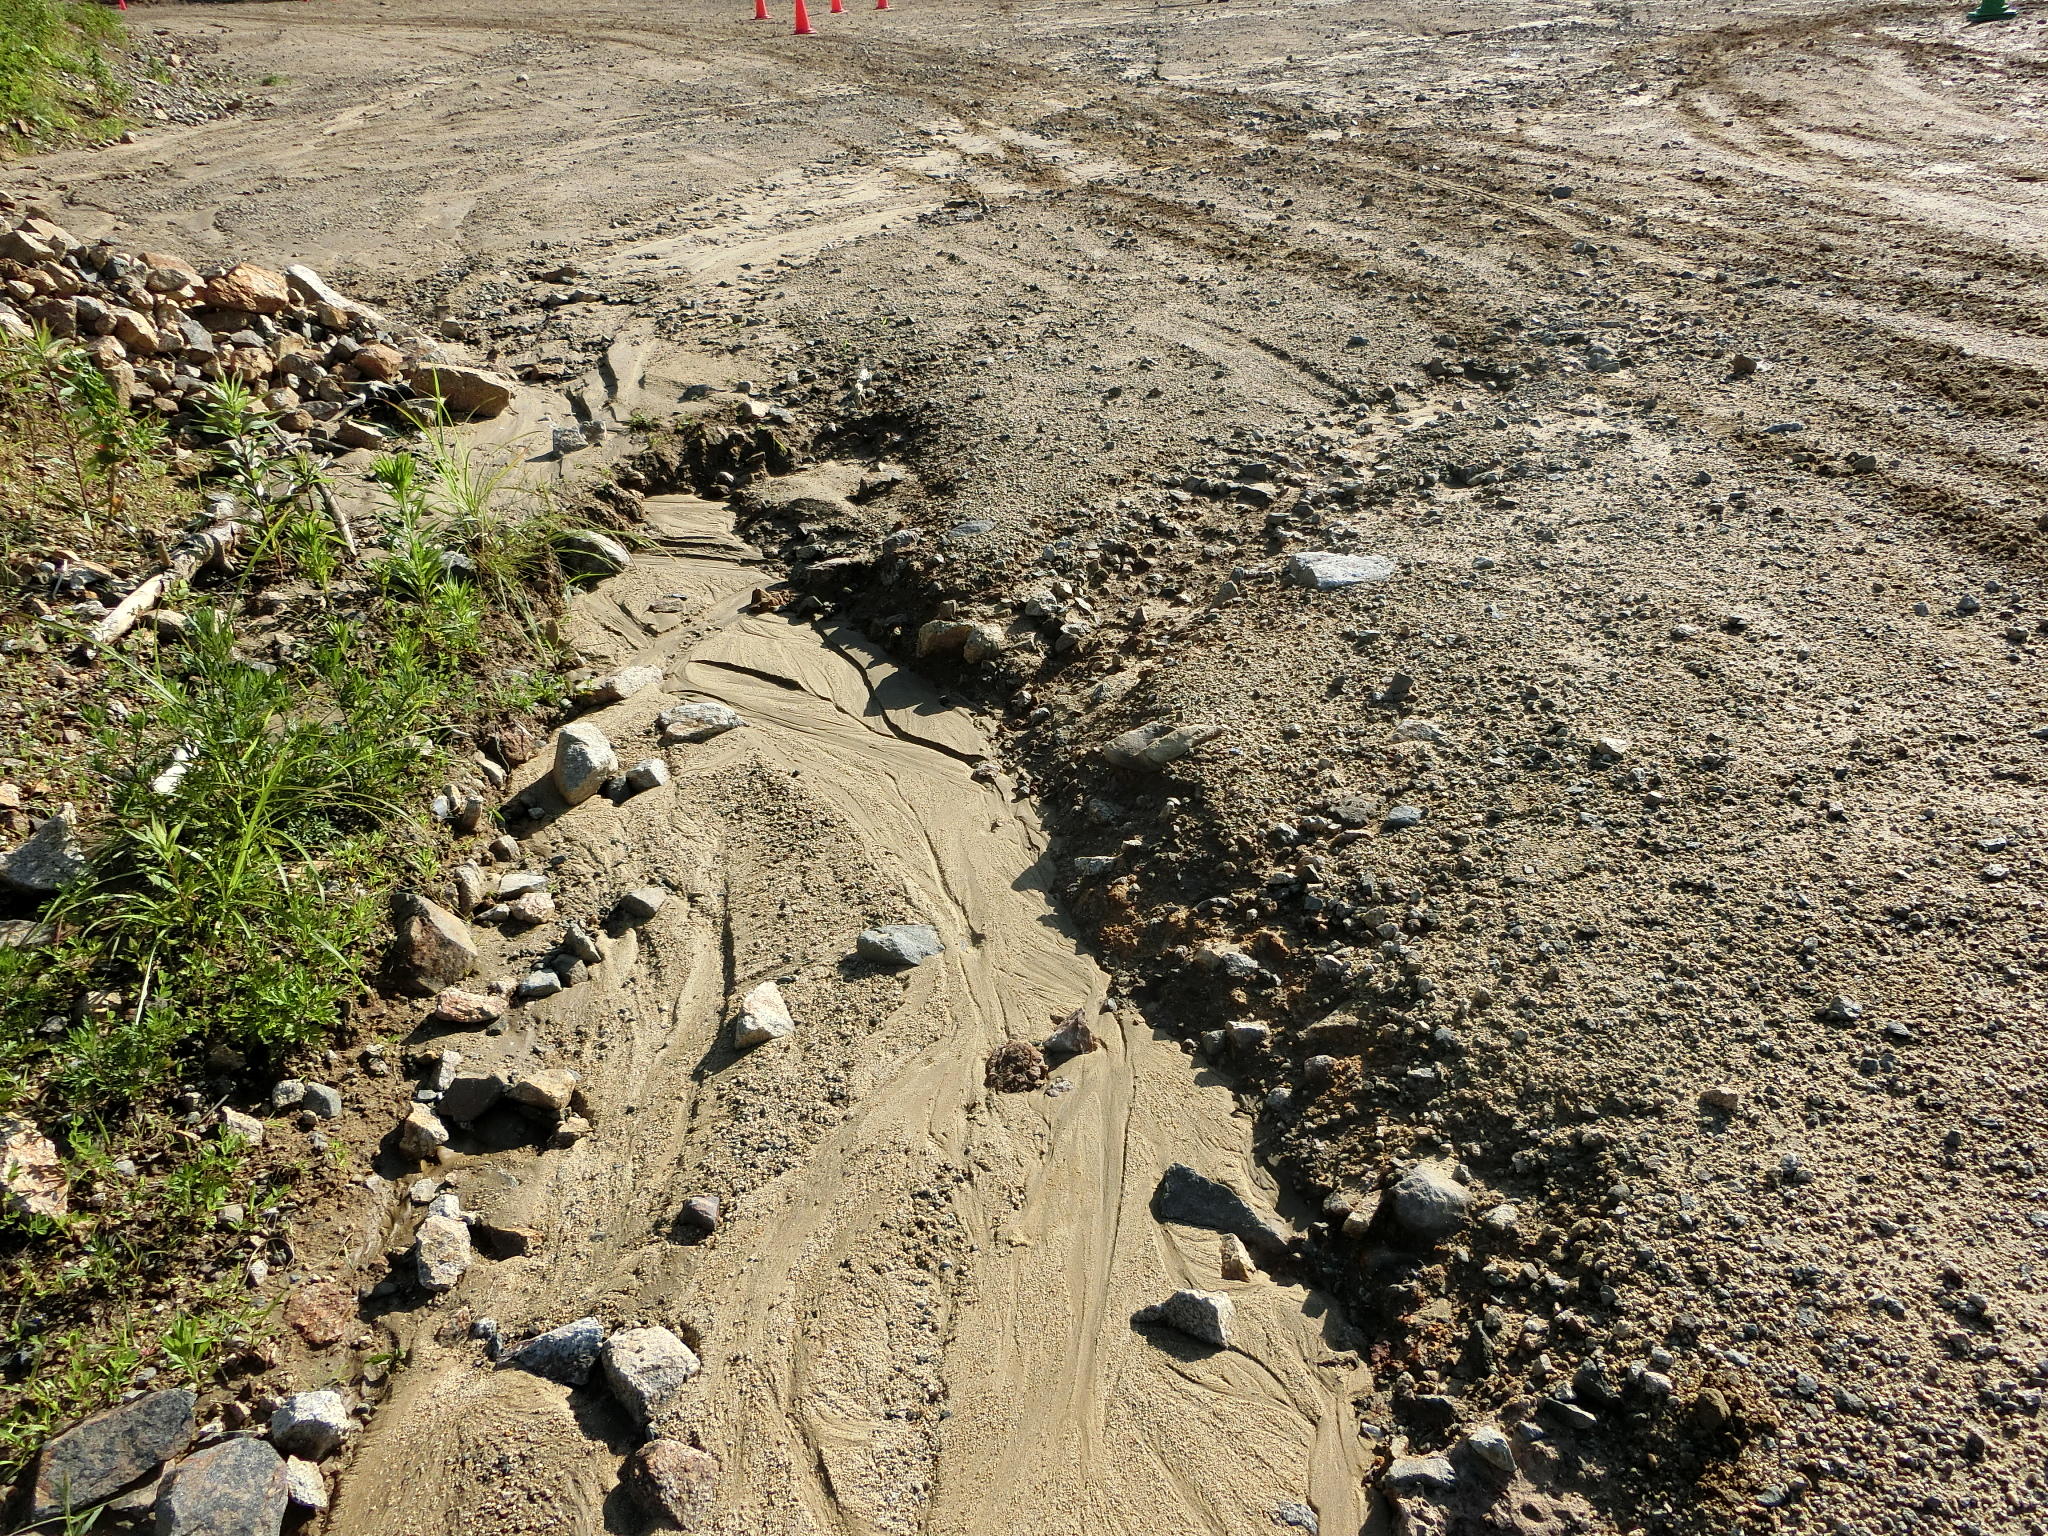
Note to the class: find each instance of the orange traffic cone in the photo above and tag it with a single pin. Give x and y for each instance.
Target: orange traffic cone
(838, 7)
(803, 20)
(760, 10)
(881, 5)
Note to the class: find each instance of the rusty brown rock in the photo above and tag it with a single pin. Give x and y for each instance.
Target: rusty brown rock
(320, 1313)
(249, 287)
(1017, 1067)
(673, 1483)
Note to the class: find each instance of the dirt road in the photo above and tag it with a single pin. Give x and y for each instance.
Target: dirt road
(1689, 369)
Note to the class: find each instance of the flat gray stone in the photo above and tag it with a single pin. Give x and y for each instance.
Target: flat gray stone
(236, 1488)
(1324, 571)
(1411, 1474)
(50, 860)
(1186, 1198)
(96, 1458)
(641, 903)
(698, 720)
(566, 1354)
(899, 944)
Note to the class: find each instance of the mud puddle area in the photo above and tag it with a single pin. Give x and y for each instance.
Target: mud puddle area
(916, 1314)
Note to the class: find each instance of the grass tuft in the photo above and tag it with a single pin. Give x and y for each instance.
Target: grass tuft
(54, 78)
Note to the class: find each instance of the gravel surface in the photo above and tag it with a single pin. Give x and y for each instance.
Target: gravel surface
(1650, 845)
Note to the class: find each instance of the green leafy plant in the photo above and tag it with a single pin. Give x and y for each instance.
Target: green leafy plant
(54, 77)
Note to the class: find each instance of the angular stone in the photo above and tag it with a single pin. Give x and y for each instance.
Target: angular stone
(1151, 747)
(646, 1368)
(234, 1123)
(50, 860)
(246, 286)
(648, 773)
(471, 1010)
(899, 944)
(763, 1016)
(673, 1483)
(98, 1457)
(304, 1486)
(465, 391)
(1205, 1316)
(586, 552)
(236, 1488)
(641, 903)
(434, 947)
(1428, 1203)
(623, 684)
(1324, 571)
(538, 984)
(470, 1097)
(311, 1424)
(551, 1090)
(698, 720)
(421, 1134)
(1186, 1198)
(323, 1101)
(565, 1354)
(441, 1252)
(32, 1178)
(584, 759)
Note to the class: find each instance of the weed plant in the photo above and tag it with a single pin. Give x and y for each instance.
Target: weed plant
(249, 813)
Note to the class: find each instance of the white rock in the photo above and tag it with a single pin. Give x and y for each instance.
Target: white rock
(1203, 1315)
(421, 1133)
(763, 1016)
(699, 720)
(624, 684)
(441, 1249)
(1324, 571)
(311, 1424)
(304, 1485)
(584, 759)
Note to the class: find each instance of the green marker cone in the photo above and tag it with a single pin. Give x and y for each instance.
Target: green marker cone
(1992, 10)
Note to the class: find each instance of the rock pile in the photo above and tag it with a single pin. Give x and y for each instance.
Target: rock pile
(334, 374)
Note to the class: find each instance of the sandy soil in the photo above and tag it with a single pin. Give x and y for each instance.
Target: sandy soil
(1480, 293)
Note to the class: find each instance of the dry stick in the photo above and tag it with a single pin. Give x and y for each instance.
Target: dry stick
(187, 556)
(334, 510)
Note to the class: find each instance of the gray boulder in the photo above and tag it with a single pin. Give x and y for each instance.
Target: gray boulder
(1205, 1316)
(441, 1252)
(95, 1459)
(1429, 1204)
(899, 944)
(50, 860)
(311, 1424)
(235, 1488)
(584, 759)
(646, 1368)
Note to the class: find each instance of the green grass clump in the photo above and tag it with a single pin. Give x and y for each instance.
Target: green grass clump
(249, 809)
(54, 77)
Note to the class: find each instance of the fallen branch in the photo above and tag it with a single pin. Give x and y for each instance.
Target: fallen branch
(187, 556)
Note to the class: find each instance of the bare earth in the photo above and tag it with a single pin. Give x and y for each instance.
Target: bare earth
(1690, 367)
